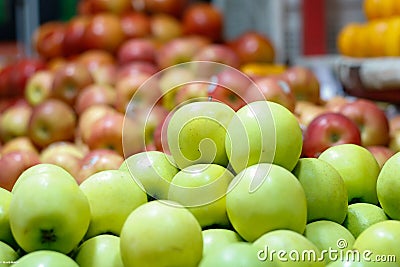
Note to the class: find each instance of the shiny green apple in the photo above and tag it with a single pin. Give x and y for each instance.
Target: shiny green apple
(325, 190)
(196, 133)
(5, 230)
(266, 197)
(360, 216)
(202, 189)
(8, 255)
(358, 168)
(161, 233)
(154, 170)
(112, 195)
(45, 258)
(216, 238)
(99, 251)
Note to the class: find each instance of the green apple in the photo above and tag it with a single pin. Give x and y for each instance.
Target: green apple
(42, 168)
(99, 251)
(49, 211)
(202, 188)
(388, 186)
(154, 170)
(330, 238)
(215, 238)
(360, 216)
(161, 233)
(380, 240)
(358, 168)
(266, 197)
(5, 230)
(325, 190)
(239, 254)
(196, 133)
(355, 262)
(7, 255)
(45, 258)
(263, 132)
(288, 248)
(112, 196)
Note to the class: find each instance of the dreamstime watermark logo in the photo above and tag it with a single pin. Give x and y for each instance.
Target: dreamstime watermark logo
(340, 253)
(203, 137)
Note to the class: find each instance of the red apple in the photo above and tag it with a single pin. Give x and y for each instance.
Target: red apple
(381, 153)
(371, 119)
(111, 6)
(69, 80)
(135, 25)
(95, 94)
(14, 121)
(253, 47)
(96, 161)
(171, 7)
(335, 103)
(84, 8)
(273, 89)
(136, 68)
(48, 39)
(219, 53)
(191, 92)
(13, 164)
(39, 86)
(137, 49)
(304, 83)
(105, 74)
(22, 143)
(165, 28)
(327, 130)
(104, 31)
(203, 19)
(51, 121)
(95, 58)
(160, 135)
(74, 31)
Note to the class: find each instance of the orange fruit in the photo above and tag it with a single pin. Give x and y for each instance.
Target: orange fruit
(376, 37)
(392, 38)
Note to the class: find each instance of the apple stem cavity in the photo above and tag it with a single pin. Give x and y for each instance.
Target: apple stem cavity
(48, 236)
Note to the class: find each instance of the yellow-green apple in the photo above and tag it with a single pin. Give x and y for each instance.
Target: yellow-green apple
(234, 255)
(196, 133)
(387, 185)
(329, 129)
(105, 74)
(217, 238)
(353, 260)
(98, 160)
(112, 195)
(358, 168)
(137, 49)
(95, 94)
(263, 131)
(13, 164)
(284, 201)
(39, 86)
(304, 83)
(164, 28)
(99, 251)
(273, 89)
(49, 211)
(19, 143)
(329, 237)
(8, 255)
(135, 25)
(45, 258)
(287, 248)
(69, 80)
(153, 170)
(74, 30)
(88, 117)
(178, 242)
(380, 239)
(394, 141)
(381, 153)
(14, 121)
(362, 215)
(307, 111)
(219, 53)
(371, 119)
(64, 154)
(103, 32)
(45, 125)
(230, 87)
(179, 50)
(201, 188)
(5, 230)
(117, 7)
(325, 190)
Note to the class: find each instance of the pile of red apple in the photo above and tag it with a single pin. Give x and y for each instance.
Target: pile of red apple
(258, 162)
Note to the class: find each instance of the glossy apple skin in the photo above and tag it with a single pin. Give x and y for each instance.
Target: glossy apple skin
(117, 7)
(137, 49)
(216, 238)
(95, 94)
(329, 129)
(219, 53)
(170, 7)
(371, 119)
(38, 87)
(45, 258)
(74, 31)
(165, 28)
(23, 143)
(14, 121)
(48, 39)
(381, 153)
(94, 58)
(135, 25)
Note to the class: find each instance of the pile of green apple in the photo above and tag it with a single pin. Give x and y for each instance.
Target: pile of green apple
(232, 188)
